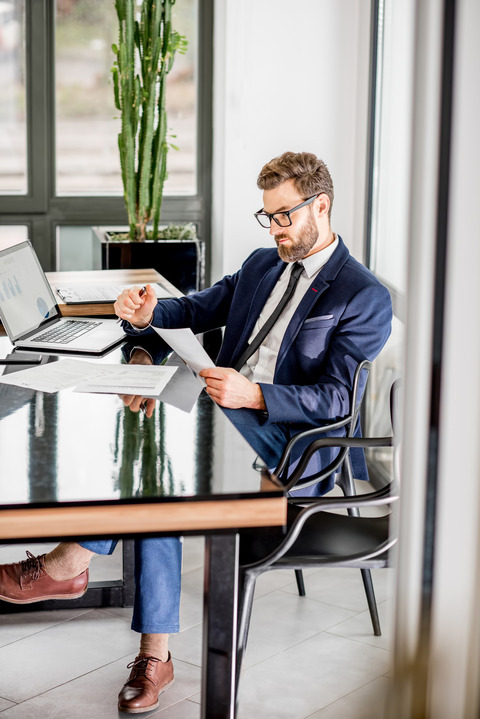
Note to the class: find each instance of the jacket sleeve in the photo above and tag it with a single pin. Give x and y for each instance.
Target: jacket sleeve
(361, 332)
(201, 311)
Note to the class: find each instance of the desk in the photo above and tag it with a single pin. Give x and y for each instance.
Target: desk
(103, 277)
(85, 466)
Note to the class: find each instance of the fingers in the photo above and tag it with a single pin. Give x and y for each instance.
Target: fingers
(136, 304)
(149, 407)
(150, 293)
(133, 401)
(149, 301)
(218, 373)
(137, 403)
(229, 388)
(128, 302)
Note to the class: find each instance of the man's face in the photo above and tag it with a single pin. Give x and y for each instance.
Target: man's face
(299, 239)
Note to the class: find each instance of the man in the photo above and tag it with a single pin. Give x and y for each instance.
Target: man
(324, 313)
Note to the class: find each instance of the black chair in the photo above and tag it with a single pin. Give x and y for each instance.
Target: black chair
(316, 536)
(341, 468)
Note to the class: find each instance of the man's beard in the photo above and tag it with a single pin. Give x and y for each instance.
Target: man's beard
(301, 245)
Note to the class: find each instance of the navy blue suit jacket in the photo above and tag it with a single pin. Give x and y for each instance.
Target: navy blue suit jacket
(343, 318)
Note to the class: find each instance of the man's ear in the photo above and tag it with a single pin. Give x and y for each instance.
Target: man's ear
(323, 205)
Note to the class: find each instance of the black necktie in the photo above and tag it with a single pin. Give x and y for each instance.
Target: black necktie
(297, 270)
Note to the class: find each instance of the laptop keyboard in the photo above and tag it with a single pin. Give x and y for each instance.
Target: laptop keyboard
(66, 331)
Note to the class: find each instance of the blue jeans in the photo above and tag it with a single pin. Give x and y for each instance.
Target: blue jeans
(270, 439)
(158, 565)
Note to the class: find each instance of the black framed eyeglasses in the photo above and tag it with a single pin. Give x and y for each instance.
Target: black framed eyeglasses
(283, 218)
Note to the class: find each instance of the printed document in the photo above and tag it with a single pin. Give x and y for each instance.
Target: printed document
(92, 377)
(144, 380)
(186, 345)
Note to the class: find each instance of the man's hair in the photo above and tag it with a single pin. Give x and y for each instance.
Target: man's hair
(310, 174)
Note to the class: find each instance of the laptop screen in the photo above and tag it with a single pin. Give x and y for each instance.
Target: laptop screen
(26, 299)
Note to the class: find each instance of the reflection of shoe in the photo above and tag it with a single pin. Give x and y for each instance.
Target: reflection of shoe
(148, 679)
(26, 582)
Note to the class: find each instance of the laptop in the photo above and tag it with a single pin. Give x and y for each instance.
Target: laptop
(31, 316)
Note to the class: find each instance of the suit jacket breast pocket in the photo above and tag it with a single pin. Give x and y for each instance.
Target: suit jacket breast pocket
(314, 335)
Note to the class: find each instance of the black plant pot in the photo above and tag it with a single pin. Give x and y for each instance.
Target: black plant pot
(181, 262)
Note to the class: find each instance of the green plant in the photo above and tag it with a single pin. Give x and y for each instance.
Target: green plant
(144, 57)
(187, 231)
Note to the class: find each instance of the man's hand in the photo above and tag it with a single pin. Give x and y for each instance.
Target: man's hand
(229, 388)
(134, 401)
(135, 307)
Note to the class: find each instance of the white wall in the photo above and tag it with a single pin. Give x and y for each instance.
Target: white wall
(287, 77)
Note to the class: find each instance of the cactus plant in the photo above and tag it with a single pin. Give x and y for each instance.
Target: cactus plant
(143, 58)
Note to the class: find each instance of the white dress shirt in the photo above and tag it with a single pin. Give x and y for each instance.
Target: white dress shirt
(260, 367)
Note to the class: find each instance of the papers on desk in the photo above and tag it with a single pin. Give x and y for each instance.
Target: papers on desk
(186, 345)
(175, 385)
(144, 380)
(87, 293)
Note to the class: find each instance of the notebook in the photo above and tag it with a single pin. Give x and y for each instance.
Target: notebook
(31, 316)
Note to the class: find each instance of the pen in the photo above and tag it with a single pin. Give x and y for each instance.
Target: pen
(140, 294)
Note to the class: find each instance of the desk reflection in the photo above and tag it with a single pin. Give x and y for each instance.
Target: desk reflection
(70, 447)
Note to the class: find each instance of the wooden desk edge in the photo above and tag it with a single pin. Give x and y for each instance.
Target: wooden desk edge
(70, 522)
(128, 277)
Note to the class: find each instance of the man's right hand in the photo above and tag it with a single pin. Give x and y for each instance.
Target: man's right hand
(136, 309)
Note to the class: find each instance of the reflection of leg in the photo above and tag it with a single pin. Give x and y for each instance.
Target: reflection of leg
(268, 440)
(155, 616)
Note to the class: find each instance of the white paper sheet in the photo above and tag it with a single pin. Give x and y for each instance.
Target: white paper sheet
(144, 380)
(185, 344)
(53, 376)
(92, 377)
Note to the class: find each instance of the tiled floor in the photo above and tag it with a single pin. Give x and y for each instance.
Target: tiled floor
(312, 657)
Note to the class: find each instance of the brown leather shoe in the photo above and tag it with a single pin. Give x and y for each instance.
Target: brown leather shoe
(26, 582)
(148, 679)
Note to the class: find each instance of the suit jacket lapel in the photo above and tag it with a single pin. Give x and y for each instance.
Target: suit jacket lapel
(260, 296)
(322, 281)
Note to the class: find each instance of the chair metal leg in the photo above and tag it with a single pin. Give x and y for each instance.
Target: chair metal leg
(372, 603)
(300, 582)
(246, 591)
(348, 487)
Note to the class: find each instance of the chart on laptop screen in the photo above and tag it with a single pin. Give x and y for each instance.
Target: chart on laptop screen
(24, 293)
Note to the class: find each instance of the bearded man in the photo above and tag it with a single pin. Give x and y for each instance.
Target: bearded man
(298, 320)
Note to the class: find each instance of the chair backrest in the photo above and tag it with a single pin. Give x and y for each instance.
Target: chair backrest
(350, 423)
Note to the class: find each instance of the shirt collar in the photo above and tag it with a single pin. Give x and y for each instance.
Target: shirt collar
(315, 262)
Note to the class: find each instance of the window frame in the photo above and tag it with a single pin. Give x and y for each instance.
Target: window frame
(40, 209)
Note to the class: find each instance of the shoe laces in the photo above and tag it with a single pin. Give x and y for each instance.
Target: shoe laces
(32, 566)
(141, 667)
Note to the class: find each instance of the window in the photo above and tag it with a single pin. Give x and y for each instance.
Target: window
(87, 121)
(13, 136)
(390, 188)
(58, 132)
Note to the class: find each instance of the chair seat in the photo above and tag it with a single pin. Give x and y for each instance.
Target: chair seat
(325, 537)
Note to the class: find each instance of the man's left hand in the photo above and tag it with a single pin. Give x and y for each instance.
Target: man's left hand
(134, 401)
(229, 388)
